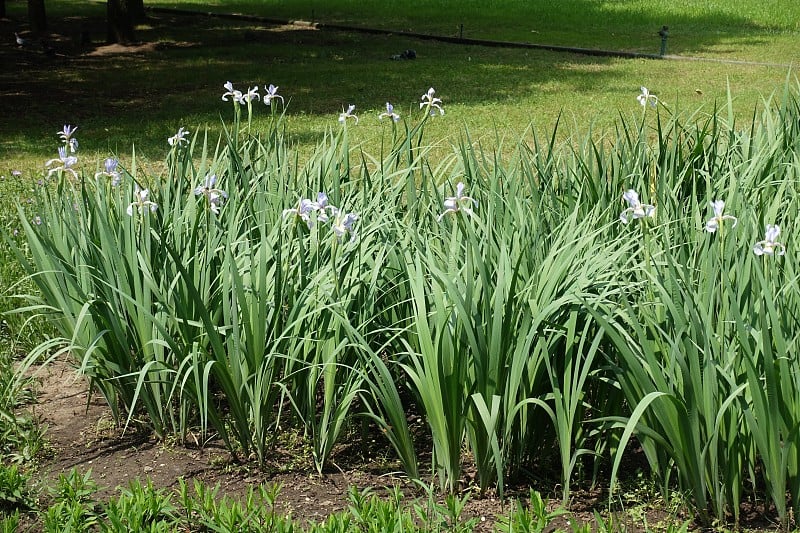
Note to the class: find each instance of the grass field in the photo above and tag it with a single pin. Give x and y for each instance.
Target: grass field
(714, 29)
(492, 92)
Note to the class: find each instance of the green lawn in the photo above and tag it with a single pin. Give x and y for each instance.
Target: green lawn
(121, 100)
(718, 29)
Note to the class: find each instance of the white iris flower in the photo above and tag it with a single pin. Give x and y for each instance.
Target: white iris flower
(272, 94)
(430, 103)
(343, 223)
(141, 202)
(110, 171)
(716, 221)
(343, 116)
(67, 161)
(636, 209)
(770, 244)
(233, 93)
(646, 98)
(459, 202)
(214, 196)
(179, 138)
(389, 113)
(67, 138)
(305, 207)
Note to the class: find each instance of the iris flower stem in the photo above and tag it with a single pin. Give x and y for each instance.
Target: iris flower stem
(721, 271)
(237, 113)
(647, 257)
(273, 113)
(304, 273)
(335, 271)
(249, 115)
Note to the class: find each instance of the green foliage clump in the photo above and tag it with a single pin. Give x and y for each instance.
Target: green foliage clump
(507, 297)
(15, 490)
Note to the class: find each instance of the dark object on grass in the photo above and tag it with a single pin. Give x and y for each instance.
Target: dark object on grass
(405, 54)
(664, 33)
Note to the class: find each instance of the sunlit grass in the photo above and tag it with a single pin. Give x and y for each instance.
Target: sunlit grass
(632, 25)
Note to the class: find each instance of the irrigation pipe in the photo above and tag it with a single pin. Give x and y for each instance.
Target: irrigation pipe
(458, 40)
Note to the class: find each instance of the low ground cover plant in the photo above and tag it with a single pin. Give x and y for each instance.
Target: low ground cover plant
(546, 302)
(197, 506)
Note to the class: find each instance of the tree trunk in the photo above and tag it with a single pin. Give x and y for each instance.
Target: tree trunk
(36, 16)
(137, 10)
(2, 9)
(120, 22)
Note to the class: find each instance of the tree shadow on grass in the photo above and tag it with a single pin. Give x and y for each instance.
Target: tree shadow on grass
(141, 96)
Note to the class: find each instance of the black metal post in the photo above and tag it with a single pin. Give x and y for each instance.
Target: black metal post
(664, 33)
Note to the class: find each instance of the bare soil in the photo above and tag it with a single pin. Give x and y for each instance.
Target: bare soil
(81, 434)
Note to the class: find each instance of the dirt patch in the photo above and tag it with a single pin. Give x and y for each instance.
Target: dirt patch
(81, 434)
(118, 49)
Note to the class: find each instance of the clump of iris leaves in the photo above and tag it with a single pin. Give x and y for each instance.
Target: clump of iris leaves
(541, 302)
